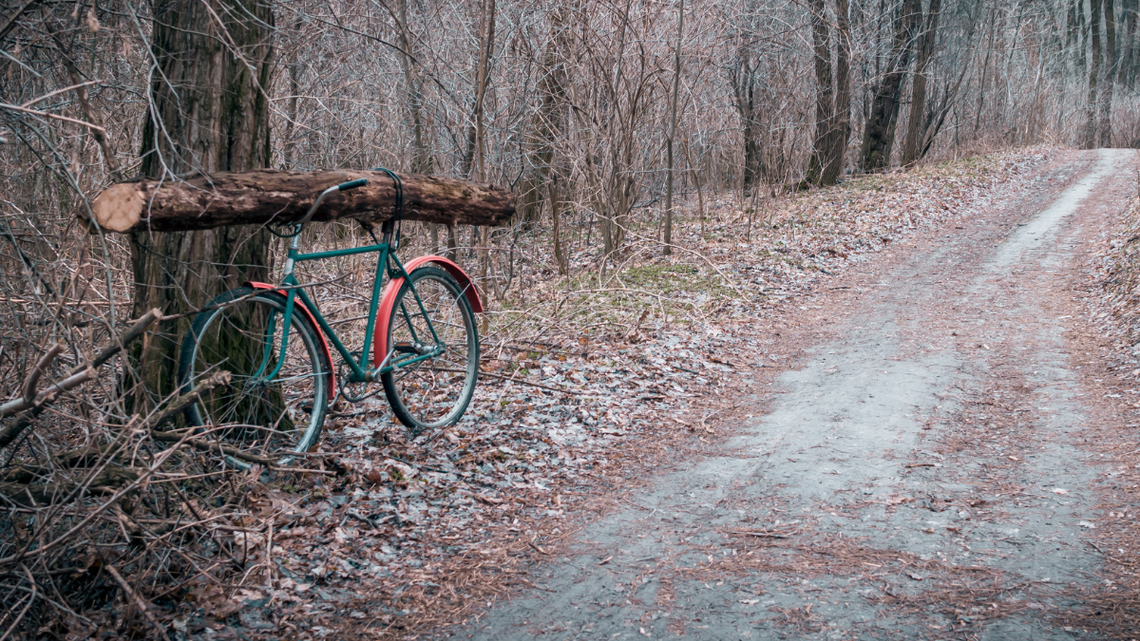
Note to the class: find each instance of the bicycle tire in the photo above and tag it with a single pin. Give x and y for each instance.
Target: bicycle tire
(256, 415)
(433, 392)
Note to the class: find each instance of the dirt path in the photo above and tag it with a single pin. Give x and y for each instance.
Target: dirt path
(920, 474)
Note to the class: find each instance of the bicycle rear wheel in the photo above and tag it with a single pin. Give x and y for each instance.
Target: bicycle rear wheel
(240, 332)
(427, 392)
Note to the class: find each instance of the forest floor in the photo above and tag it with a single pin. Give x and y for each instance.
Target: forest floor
(900, 408)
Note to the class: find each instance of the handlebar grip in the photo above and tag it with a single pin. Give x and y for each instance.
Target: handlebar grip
(353, 184)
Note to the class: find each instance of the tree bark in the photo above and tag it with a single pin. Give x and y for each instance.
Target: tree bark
(668, 232)
(473, 157)
(824, 92)
(556, 232)
(208, 113)
(841, 131)
(421, 158)
(549, 119)
(1109, 74)
(271, 196)
(879, 133)
(1128, 14)
(913, 148)
(743, 78)
(1094, 72)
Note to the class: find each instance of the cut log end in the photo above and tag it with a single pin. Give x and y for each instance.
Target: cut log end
(119, 207)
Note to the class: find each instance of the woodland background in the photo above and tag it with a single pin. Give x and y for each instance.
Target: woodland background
(615, 123)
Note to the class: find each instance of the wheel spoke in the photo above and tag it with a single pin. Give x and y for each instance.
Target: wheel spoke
(420, 396)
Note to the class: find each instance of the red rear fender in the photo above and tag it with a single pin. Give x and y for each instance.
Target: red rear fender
(456, 272)
(388, 299)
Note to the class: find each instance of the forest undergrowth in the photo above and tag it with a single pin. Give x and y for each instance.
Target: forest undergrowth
(592, 381)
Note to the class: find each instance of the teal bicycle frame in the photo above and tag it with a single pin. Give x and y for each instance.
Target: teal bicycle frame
(359, 372)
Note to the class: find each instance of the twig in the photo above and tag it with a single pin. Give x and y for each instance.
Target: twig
(178, 405)
(47, 396)
(31, 600)
(36, 112)
(207, 446)
(78, 375)
(38, 371)
(136, 598)
(125, 338)
(759, 534)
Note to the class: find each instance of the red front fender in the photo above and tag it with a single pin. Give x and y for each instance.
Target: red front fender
(388, 299)
(298, 304)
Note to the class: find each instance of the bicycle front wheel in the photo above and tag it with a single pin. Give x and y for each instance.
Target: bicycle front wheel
(270, 411)
(433, 351)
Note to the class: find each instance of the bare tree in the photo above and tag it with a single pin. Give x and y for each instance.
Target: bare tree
(913, 148)
(668, 232)
(549, 122)
(1090, 138)
(879, 131)
(1110, 70)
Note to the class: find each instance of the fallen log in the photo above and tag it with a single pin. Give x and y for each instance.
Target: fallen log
(272, 196)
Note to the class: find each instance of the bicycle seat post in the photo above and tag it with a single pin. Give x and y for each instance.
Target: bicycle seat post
(386, 231)
(294, 245)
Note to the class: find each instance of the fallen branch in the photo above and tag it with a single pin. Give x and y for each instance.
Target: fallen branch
(32, 403)
(131, 594)
(211, 446)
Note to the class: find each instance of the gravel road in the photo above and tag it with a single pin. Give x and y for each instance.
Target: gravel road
(917, 473)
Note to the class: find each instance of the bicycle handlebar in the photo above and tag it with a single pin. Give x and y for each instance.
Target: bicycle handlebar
(352, 184)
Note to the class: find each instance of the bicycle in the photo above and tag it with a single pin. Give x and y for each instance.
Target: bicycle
(420, 328)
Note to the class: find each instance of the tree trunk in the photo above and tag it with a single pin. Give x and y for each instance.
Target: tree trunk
(913, 148)
(1128, 13)
(421, 158)
(1094, 71)
(668, 235)
(556, 219)
(291, 114)
(742, 77)
(824, 93)
(985, 73)
(841, 131)
(549, 121)
(698, 182)
(209, 113)
(879, 133)
(473, 157)
(1109, 74)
